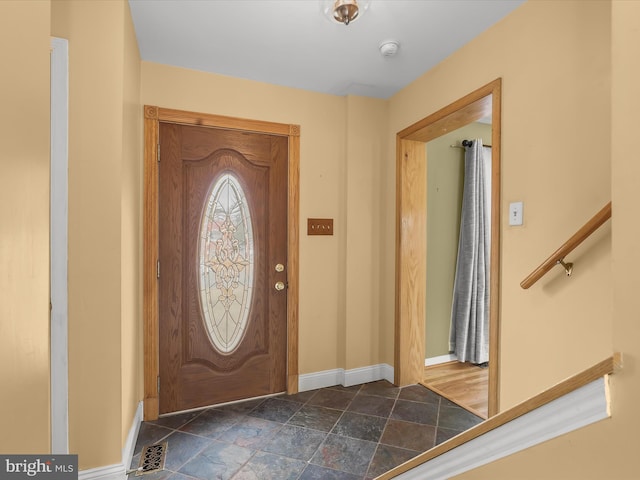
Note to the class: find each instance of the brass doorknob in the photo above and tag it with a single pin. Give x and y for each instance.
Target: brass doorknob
(279, 286)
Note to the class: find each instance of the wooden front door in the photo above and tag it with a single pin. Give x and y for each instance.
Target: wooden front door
(222, 265)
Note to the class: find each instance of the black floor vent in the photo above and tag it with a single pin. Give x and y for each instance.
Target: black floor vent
(152, 459)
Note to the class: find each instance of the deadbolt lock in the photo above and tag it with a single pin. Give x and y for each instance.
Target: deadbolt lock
(279, 267)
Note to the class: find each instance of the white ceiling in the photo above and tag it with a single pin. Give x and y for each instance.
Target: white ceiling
(292, 43)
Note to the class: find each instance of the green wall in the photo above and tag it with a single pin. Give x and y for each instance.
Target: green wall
(445, 177)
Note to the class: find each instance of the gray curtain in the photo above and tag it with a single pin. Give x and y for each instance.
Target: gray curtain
(470, 308)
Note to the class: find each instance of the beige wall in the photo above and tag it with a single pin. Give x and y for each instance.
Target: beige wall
(366, 147)
(555, 101)
(104, 215)
(607, 449)
(445, 181)
(131, 230)
(626, 254)
(24, 227)
(341, 145)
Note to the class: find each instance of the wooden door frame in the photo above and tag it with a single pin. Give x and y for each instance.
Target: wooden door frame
(411, 248)
(153, 115)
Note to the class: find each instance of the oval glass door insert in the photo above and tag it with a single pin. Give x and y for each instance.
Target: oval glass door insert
(226, 263)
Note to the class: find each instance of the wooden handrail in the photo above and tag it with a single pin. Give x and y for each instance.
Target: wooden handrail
(605, 367)
(558, 256)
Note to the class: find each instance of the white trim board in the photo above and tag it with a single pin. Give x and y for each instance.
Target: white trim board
(118, 471)
(110, 472)
(340, 376)
(575, 410)
(451, 357)
(58, 245)
(132, 437)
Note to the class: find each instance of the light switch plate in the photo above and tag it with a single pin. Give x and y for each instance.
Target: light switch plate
(515, 213)
(319, 226)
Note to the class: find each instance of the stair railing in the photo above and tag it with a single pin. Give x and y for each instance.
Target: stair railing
(600, 370)
(557, 258)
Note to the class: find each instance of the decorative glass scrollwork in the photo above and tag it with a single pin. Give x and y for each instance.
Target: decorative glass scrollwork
(226, 264)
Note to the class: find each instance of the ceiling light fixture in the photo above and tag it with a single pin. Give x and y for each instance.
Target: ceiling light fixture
(345, 11)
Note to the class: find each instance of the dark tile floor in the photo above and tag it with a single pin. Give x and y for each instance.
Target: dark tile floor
(335, 433)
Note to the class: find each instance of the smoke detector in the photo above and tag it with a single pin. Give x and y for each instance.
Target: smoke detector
(389, 48)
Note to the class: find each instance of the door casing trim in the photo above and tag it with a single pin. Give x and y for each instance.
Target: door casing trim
(59, 246)
(153, 115)
(411, 210)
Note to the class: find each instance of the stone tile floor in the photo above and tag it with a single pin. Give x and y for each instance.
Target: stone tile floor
(335, 433)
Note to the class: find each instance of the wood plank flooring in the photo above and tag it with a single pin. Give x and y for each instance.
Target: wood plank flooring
(463, 383)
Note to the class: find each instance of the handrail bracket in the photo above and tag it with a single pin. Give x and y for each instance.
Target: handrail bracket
(568, 267)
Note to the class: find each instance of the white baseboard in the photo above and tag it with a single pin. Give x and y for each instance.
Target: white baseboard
(110, 472)
(577, 409)
(118, 471)
(340, 376)
(326, 378)
(451, 357)
(132, 438)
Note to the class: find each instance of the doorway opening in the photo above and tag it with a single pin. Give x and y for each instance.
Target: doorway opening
(411, 237)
